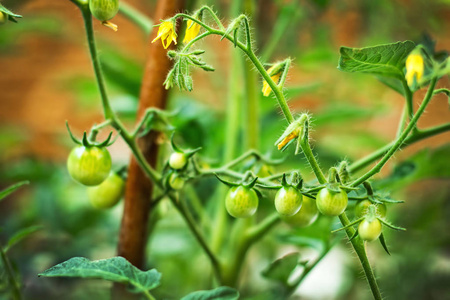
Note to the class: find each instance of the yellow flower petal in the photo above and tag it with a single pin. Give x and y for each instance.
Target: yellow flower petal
(166, 33)
(266, 88)
(287, 139)
(414, 68)
(192, 30)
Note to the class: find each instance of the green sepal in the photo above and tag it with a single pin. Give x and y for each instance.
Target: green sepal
(334, 187)
(228, 183)
(258, 193)
(251, 184)
(284, 181)
(383, 243)
(299, 184)
(308, 195)
(74, 139)
(390, 225)
(349, 225)
(188, 153)
(347, 188)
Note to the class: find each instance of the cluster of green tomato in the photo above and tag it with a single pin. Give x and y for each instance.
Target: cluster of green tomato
(91, 166)
(301, 210)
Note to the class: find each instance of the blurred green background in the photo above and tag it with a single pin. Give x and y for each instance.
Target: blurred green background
(47, 79)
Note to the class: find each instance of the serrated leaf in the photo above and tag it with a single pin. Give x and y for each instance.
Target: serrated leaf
(281, 269)
(20, 235)
(221, 293)
(11, 189)
(383, 60)
(116, 269)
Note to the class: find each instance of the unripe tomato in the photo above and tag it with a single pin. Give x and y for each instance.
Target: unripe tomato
(177, 160)
(107, 193)
(176, 182)
(331, 203)
(307, 214)
(362, 208)
(89, 165)
(241, 202)
(104, 10)
(288, 201)
(369, 231)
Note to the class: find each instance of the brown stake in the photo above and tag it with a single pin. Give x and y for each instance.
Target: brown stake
(133, 231)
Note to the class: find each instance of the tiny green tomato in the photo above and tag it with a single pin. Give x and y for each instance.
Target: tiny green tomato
(288, 201)
(241, 202)
(369, 230)
(104, 10)
(362, 208)
(331, 203)
(107, 193)
(177, 160)
(89, 165)
(176, 182)
(307, 214)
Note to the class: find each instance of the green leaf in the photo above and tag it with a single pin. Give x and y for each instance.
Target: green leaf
(281, 269)
(20, 235)
(221, 293)
(383, 60)
(11, 189)
(116, 269)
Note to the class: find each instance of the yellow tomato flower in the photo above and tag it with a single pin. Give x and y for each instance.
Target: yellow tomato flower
(414, 67)
(166, 33)
(192, 31)
(266, 88)
(288, 138)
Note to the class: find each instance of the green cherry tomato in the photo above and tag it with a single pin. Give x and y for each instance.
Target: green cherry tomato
(369, 231)
(288, 201)
(176, 182)
(307, 214)
(89, 165)
(104, 10)
(177, 160)
(107, 193)
(362, 208)
(331, 203)
(241, 202)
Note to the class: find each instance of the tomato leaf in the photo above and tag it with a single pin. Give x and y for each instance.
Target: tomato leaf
(20, 235)
(11, 189)
(281, 269)
(221, 293)
(116, 269)
(383, 60)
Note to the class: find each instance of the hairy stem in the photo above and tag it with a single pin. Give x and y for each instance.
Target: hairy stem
(401, 139)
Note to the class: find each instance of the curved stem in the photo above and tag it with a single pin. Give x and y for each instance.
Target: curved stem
(358, 245)
(401, 139)
(87, 17)
(415, 137)
(198, 236)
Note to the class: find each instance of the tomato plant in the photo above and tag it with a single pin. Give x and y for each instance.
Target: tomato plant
(176, 213)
